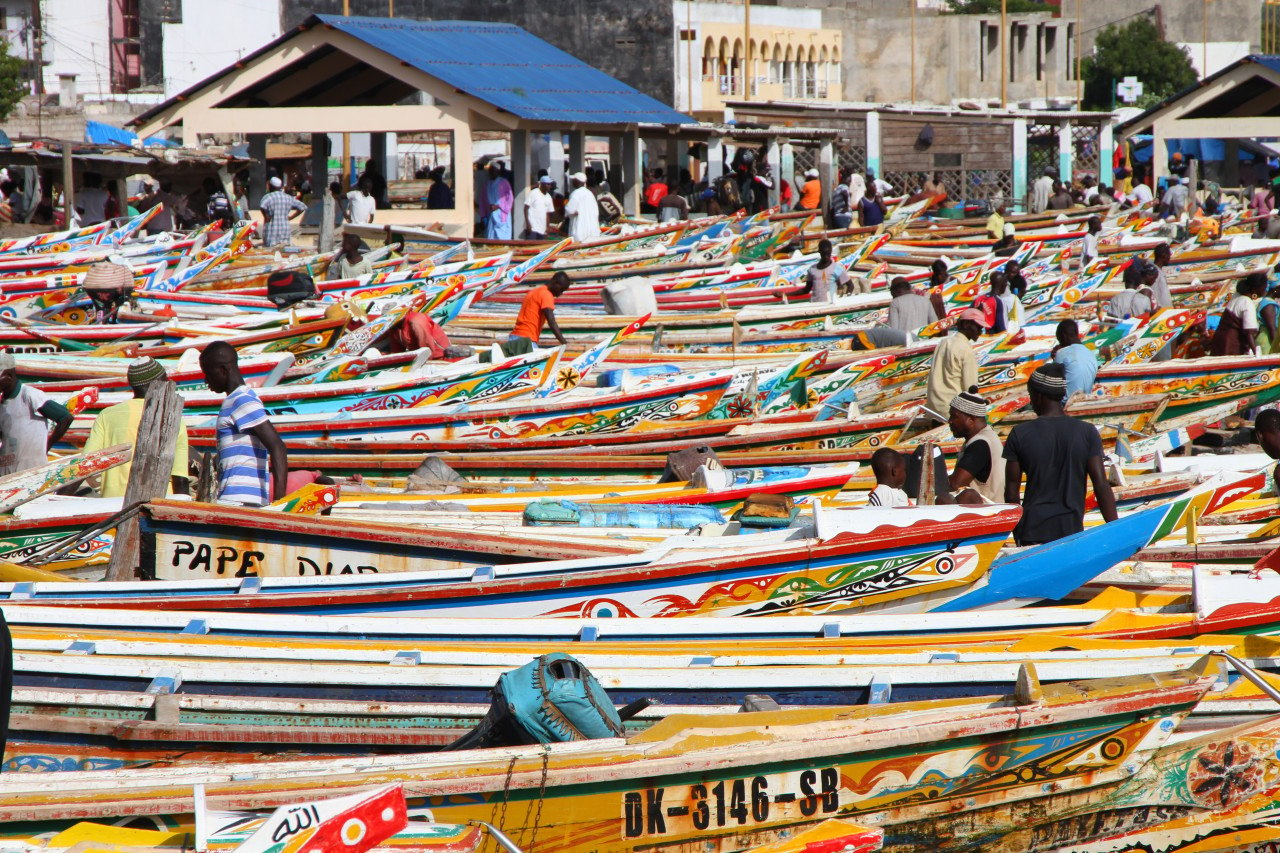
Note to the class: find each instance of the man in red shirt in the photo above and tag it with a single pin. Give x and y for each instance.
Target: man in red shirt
(537, 309)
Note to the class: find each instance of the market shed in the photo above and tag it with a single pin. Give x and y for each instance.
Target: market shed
(335, 74)
(1241, 101)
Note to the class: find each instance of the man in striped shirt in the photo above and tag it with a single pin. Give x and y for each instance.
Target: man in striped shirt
(278, 208)
(246, 439)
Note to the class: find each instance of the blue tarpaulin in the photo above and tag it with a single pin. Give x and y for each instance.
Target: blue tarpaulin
(105, 134)
(1202, 149)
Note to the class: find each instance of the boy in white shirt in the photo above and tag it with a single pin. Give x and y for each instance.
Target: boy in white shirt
(890, 469)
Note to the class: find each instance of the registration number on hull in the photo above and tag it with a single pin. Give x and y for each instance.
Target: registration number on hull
(730, 803)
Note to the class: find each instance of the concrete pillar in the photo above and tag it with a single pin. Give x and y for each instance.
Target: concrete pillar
(556, 153)
(826, 174)
(715, 158)
(382, 151)
(672, 166)
(786, 164)
(1159, 157)
(631, 173)
(1230, 163)
(614, 172)
(464, 188)
(577, 152)
(772, 156)
(68, 99)
(1106, 151)
(120, 189)
(257, 168)
(521, 178)
(319, 164)
(1020, 163)
(1065, 158)
(873, 143)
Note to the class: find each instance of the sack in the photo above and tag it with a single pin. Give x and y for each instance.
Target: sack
(610, 208)
(713, 478)
(285, 288)
(767, 505)
(552, 699)
(727, 193)
(630, 297)
(682, 463)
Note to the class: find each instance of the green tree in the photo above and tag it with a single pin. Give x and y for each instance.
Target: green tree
(992, 7)
(1134, 50)
(12, 86)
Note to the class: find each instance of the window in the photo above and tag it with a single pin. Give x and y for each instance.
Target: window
(1071, 51)
(125, 46)
(988, 51)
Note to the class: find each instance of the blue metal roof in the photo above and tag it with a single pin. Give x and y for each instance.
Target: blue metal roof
(509, 68)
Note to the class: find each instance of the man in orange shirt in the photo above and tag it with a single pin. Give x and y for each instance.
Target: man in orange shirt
(811, 192)
(537, 309)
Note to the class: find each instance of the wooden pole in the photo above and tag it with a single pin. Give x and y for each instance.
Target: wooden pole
(913, 50)
(153, 453)
(688, 53)
(346, 137)
(68, 184)
(1204, 39)
(1079, 48)
(746, 64)
(1004, 53)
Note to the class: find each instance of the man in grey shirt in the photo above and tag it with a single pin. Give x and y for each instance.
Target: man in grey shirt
(908, 310)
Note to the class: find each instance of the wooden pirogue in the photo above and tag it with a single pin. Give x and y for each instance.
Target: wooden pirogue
(1012, 764)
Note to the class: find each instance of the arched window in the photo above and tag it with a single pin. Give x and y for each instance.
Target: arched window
(775, 65)
(722, 66)
(810, 73)
(836, 74)
(824, 72)
(789, 74)
(735, 70)
(709, 59)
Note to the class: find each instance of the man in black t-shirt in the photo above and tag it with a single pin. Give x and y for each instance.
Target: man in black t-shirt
(1056, 453)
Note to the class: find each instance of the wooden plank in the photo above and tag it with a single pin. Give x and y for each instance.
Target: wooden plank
(149, 477)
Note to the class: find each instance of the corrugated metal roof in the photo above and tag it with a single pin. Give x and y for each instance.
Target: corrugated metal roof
(509, 68)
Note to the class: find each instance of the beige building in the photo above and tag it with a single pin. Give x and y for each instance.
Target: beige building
(899, 51)
(780, 53)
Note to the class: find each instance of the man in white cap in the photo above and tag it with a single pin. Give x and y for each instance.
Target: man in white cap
(538, 207)
(278, 207)
(810, 191)
(581, 212)
(118, 424)
(25, 415)
(979, 473)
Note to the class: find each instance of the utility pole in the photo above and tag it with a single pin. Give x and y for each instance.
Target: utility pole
(37, 46)
(913, 50)
(1004, 53)
(1079, 48)
(688, 51)
(1204, 39)
(346, 137)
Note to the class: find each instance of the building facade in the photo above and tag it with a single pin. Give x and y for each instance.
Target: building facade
(958, 57)
(781, 53)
